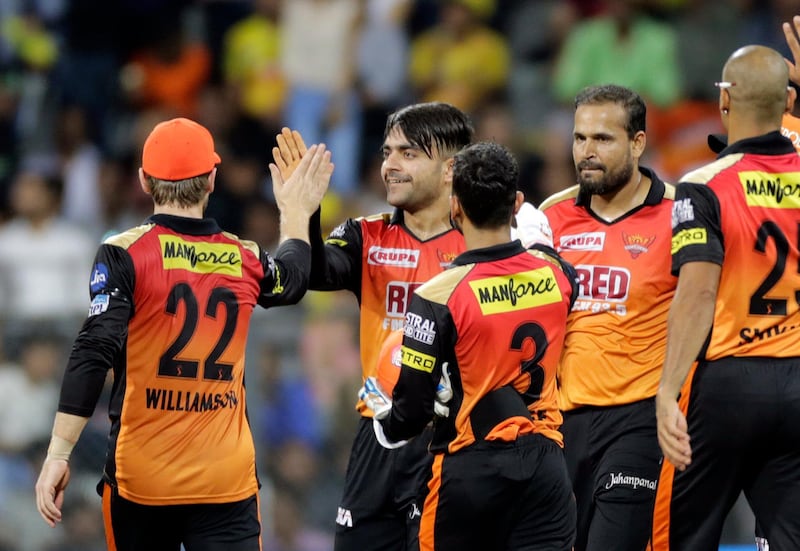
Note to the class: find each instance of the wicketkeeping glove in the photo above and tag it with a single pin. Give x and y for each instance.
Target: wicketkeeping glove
(532, 227)
(375, 398)
(444, 393)
(381, 404)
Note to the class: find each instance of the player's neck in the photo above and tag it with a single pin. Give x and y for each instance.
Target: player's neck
(481, 238)
(195, 211)
(427, 223)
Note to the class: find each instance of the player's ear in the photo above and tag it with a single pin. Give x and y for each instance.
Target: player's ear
(791, 97)
(518, 200)
(211, 178)
(143, 181)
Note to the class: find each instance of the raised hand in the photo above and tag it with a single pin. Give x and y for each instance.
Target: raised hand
(302, 192)
(792, 31)
(291, 148)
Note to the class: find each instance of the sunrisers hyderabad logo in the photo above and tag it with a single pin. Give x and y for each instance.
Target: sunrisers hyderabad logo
(445, 259)
(637, 244)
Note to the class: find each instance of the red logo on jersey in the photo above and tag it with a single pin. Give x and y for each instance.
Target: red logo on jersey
(609, 283)
(398, 296)
(637, 244)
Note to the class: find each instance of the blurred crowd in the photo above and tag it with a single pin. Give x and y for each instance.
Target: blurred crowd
(82, 83)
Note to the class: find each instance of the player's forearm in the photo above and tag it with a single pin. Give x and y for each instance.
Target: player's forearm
(293, 226)
(690, 318)
(67, 429)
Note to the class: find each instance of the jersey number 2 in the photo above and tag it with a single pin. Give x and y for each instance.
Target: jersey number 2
(759, 303)
(169, 365)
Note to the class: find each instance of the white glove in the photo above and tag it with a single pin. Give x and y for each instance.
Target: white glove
(375, 398)
(381, 404)
(532, 227)
(444, 393)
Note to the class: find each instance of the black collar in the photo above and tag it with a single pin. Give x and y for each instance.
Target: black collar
(771, 143)
(488, 254)
(188, 226)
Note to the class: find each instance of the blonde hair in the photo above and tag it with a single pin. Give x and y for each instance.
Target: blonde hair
(181, 193)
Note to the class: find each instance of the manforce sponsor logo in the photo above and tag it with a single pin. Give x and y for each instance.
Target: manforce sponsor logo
(775, 191)
(201, 258)
(417, 360)
(691, 236)
(401, 258)
(516, 292)
(197, 402)
(590, 241)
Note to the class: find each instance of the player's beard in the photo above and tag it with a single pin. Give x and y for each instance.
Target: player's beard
(609, 182)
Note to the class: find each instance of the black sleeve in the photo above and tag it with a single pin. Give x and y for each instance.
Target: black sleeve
(103, 335)
(696, 226)
(286, 275)
(336, 262)
(428, 330)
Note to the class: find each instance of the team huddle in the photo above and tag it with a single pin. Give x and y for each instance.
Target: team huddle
(608, 371)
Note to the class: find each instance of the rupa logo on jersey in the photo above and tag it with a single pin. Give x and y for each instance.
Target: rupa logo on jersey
(200, 257)
(400, 258)
(772, 191)
(588, 241)
(398, 295)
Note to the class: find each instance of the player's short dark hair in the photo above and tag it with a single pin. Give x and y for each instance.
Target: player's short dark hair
(432, 125)
(485, 178)
(611, 93)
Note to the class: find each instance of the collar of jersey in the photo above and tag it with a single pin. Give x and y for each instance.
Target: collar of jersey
(188, 226)
(771, 143)
(488, 254)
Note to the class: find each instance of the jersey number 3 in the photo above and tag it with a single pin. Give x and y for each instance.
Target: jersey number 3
(531, 366)
(169, 365)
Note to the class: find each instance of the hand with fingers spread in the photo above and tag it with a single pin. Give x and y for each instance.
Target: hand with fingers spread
(289, 151)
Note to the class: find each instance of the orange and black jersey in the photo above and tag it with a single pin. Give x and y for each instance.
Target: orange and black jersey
(617, 330)
(381, 262)
(743, 212)
(497, 319)
(171, 306)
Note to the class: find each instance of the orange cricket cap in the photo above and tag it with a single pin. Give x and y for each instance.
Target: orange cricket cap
(178, 149)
